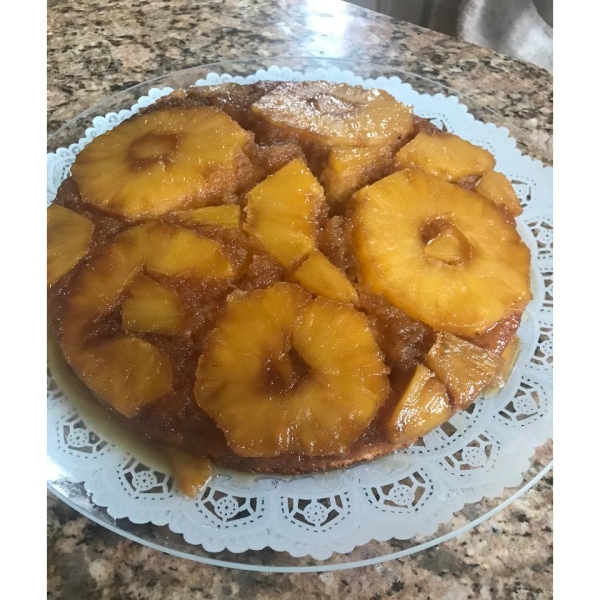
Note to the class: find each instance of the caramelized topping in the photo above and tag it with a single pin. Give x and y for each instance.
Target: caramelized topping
(186, 324)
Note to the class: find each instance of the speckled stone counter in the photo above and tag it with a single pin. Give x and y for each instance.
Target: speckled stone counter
(97, 48)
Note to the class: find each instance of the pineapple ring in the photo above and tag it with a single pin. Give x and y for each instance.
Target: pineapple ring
(466, 282)
(336, 114)
(125, 371)
(268, 406)
(152, 164)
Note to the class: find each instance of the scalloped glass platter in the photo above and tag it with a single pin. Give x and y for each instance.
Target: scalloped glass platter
(454, 479)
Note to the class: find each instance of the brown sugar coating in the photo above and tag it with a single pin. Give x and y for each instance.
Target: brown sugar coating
(335, 244)
(404, 341)
(202, 297)
(262, 272)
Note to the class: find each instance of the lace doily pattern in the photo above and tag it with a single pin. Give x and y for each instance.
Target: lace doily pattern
(476, 454)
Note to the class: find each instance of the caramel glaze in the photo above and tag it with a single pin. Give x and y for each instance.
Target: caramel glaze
(176, 419)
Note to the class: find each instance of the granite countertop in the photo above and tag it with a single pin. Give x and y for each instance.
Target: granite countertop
(97, 48)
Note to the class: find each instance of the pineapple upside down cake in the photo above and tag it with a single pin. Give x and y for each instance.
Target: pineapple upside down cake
(285, 277)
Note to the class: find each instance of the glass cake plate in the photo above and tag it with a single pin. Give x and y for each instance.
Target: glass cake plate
(455, 478)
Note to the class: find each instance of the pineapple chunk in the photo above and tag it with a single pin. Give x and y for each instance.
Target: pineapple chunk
(191, 473)
(317, 275)
(447, 247)
(508, 358)
(423, 406)
(151, 307)
(282, 212)
(465, 298)
(126, 372)
(496, 187)
(335, 114)
(445, 155)
(69, 238)
(158, 162)
(465, 369)
(225, 215)
(177, 251)
(279, 377)
(349, 169)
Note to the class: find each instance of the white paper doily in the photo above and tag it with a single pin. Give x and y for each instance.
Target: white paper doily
(481, 452)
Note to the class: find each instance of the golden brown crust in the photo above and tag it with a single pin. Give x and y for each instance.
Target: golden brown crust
(305, 464)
